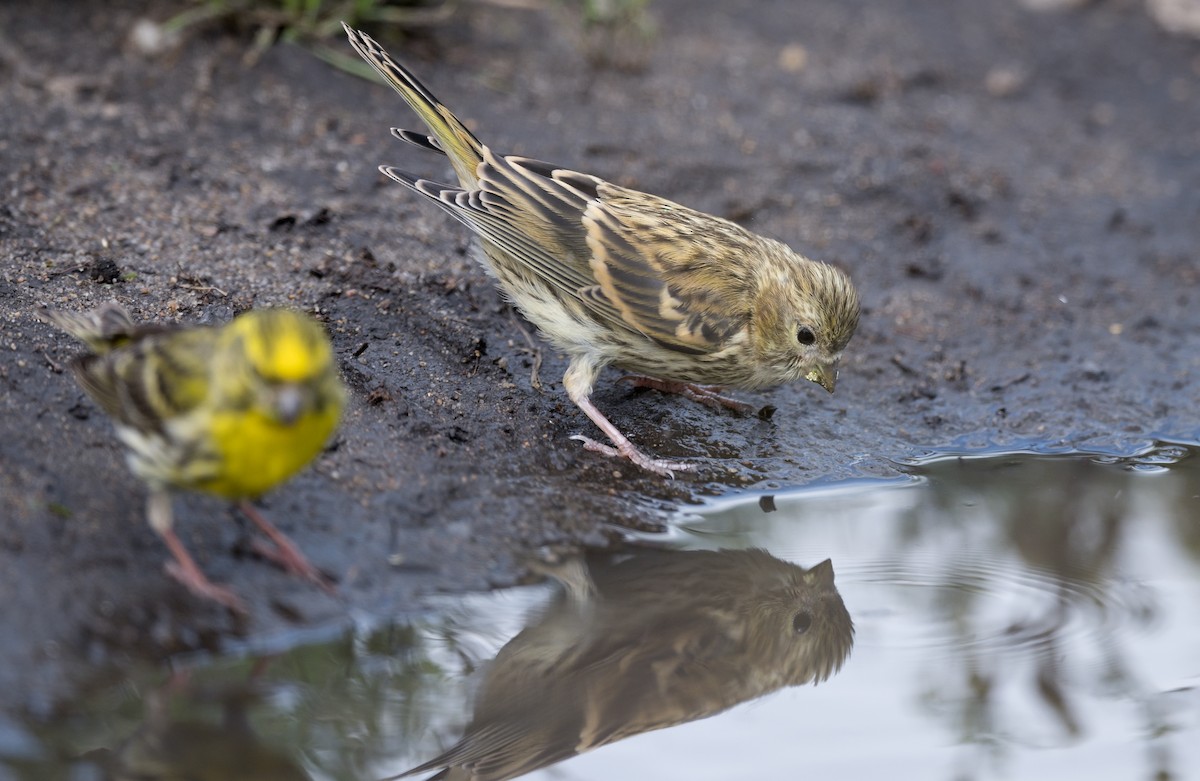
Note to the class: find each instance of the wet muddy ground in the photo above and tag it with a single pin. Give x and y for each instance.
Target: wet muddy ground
(1017, 196)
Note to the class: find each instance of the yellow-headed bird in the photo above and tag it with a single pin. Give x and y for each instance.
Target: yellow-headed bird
(232, 410)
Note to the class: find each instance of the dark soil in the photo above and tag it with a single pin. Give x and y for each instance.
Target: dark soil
(1017, 196)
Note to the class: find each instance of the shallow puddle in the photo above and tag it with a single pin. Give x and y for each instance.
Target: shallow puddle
(1016, 615)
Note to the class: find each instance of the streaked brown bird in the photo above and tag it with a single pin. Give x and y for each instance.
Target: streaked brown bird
(645, 641)
(688, 302)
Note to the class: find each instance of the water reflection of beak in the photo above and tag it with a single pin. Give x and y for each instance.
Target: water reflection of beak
(825, 376)
(289, 403)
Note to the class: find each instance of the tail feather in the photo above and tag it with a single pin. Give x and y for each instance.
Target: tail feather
(101, 329)
(417, 138)
(460, 203)
(449, 135)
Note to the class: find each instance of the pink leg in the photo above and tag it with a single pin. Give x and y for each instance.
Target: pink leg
(622, 447)
(708, 395)
(184, 570)
(284, 553)
(160, 515)
(578, 381)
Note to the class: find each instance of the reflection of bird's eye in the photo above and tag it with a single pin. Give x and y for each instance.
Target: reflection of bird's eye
(801, 622)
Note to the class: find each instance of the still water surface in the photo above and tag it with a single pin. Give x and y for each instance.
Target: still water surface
(1015, 615)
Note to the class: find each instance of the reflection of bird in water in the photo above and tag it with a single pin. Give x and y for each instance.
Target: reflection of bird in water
(174, 750)
(647, 641)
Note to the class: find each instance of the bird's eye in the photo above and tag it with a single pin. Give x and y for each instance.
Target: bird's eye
(801, 622)
(805, 335)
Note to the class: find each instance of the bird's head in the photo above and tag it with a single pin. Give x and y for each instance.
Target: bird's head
(289, 362)
(803, 319)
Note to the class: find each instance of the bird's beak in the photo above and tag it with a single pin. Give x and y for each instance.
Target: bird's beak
(289, 403)
(825, 376)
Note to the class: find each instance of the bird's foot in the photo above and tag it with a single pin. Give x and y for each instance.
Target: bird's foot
(185, 570)
(195, 581)
(708, 395)
(656, 465)
(280, 550)
(289, 559)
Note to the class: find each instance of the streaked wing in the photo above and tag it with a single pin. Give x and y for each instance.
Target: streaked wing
(532, 211)
(660, 265)
(150, 379)
(565, 227)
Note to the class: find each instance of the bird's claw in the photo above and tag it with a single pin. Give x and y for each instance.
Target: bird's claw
(656, 465)
(291, 561)
(283, 552)
(203, 587)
